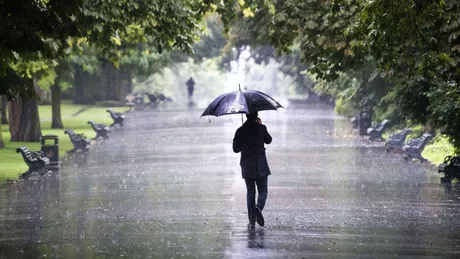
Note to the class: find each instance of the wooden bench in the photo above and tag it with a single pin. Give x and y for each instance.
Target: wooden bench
(375, 132)
(451, 169)
(156, 98)
(118, 118)
(36, 160)
(153, 99)
(100, 129)
(163, 98)
(396, 140)
(78, 140)
(414, 147)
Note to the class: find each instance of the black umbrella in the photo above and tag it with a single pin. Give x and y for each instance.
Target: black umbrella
(241, 102)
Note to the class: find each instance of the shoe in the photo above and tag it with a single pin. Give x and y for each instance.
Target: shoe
(259, 217)
(252, 225)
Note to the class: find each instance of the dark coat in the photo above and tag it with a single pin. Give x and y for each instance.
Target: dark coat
(249, 140)
(190, 86)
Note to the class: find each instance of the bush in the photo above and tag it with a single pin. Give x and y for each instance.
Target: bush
(344, 108)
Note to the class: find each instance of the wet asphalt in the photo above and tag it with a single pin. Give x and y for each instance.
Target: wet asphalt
(168, 185)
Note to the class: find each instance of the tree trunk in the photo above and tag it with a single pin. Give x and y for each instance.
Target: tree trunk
(4, 118)
(24, 120)
(79, 87)
(103, 89)
(112, 83)
(56, 107)
(126, 85)
(2, 145)
(129, 83)
(87, 87)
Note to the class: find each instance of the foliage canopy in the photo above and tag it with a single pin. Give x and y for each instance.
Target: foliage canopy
(36, 29)
(414, 46)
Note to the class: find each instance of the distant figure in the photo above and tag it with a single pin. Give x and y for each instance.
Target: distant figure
(190, 87)
(249, 140)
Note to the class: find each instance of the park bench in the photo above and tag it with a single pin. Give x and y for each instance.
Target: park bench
(100, 129)
(156, 98)
(118, 118)
(153, 99)
(451, 169)
(36, 160)
(375, 132)
(78, 140)
(163, 98)
(414, 147)
(396, 140)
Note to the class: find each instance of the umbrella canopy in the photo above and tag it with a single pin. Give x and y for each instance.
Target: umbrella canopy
(239, 102)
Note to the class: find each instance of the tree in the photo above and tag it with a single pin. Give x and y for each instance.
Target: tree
(210, 44)
(32, 29)
(24, 119)
(23, 112)
(414, 44)
(3, 119)
(139, 57)
(2, 144)
(85, 62)
(292, 66)
(3, 104)
(96, 78)
(11, 77)
(321, 28)
(269, 24)
(64, 74)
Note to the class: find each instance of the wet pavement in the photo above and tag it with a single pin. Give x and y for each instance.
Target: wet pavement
(169, 185)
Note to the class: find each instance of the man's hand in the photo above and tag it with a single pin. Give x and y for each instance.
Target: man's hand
(259, 120)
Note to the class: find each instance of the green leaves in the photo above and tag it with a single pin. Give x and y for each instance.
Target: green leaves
(414, 44)
(31, 30)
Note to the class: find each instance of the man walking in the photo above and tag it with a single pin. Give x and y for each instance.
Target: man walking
(249, 140)
(190, 87)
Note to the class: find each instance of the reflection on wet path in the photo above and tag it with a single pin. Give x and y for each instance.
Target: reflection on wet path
(169, 185)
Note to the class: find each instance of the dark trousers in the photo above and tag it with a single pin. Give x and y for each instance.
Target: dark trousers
(251, 183)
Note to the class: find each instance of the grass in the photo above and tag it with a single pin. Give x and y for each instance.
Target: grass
(437, 151)
(12, 164)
